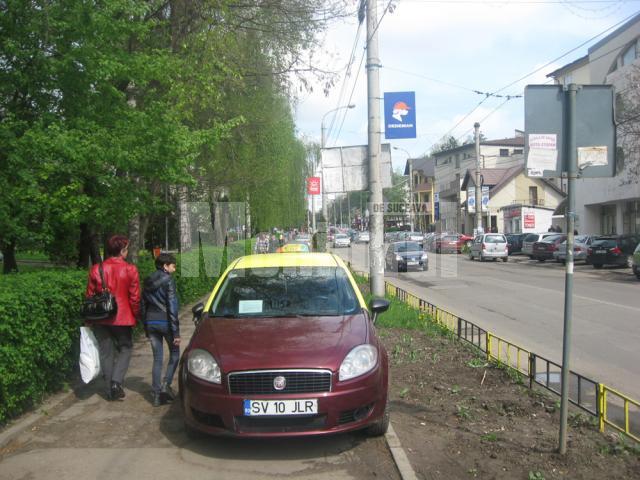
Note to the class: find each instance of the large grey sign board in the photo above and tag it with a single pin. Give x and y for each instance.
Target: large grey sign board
(346, 169)
(545, 122)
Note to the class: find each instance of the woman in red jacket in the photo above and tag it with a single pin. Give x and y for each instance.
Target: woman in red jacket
(114, 334)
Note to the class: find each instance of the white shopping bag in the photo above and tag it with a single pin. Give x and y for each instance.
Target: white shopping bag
(89, 356)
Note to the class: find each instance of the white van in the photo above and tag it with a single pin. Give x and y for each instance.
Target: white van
(489, 245)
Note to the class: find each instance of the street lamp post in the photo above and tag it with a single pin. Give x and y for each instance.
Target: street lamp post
(325, 207)
(410, 160)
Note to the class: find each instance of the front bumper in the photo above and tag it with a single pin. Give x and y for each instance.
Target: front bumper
(352, 405)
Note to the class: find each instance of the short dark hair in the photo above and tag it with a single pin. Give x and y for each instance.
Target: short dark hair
(165, 259)
(115, 244)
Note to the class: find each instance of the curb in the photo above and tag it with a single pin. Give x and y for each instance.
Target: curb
(399, 455)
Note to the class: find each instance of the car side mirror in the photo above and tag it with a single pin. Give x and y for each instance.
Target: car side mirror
(378, 306)
(197, 310)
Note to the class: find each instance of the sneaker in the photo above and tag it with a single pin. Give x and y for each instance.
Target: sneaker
(117, 392)
(157, 401)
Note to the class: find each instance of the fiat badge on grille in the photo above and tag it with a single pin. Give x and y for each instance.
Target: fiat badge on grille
(279, 382)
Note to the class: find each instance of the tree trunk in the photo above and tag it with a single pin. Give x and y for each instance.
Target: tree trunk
(84, 246)
(185, 221)
(134, 238)
(144, 227)
(9, 253)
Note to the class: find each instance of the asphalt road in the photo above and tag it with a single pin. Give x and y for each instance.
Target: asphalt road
(523, 302)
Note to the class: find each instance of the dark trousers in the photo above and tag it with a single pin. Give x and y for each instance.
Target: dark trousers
(115, 345)
(158, 333)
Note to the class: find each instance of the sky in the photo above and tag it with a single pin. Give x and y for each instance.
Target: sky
(445, 49)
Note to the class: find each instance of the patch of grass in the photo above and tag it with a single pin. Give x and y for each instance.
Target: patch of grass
(537, 475)
(403, 393)
(477, 363)
(490, 437)
(463, 412)
(455, 389)
(33, 256)
(620, 445)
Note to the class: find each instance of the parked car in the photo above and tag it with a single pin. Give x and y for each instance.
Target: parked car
(612, 250)
(309, 362)
(514, 242)
(543, 250)
(530, 239)
(451, 243)
(341, 240)
(401, 256)
(635, 262)
(580, 249)
(363, 237)
(489, 245)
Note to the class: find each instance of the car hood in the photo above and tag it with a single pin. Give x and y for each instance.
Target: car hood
(289, 342)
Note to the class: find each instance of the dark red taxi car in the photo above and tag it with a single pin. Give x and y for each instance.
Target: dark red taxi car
(285, 346)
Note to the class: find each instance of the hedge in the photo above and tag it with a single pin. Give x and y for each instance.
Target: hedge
(39, 322)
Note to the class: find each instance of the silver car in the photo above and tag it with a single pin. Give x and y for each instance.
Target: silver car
(489, 245)
(341, 240)
(530, 239)
(580, 249)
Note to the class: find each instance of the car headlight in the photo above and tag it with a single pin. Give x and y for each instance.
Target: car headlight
(201, 364)
(360, 360)
(398, 258)
(424, 256)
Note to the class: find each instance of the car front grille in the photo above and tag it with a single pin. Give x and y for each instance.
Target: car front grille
(280, 424)
(261, 382)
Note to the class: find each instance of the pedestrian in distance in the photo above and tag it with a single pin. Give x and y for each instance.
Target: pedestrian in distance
(115, 334)
(161, 324)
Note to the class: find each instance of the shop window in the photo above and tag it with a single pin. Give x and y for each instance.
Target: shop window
(504, 152)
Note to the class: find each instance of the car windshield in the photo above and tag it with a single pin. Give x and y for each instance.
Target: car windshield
(450, 238)
(552, 239)
(407, 247)
(532, 237)
(285, 292)
(341, 235)
(494, 239)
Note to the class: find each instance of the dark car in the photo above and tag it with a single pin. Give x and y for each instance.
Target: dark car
(514, 242)
(285, 346)
(612, 250)
(635, 262)
(543, 250)
(401, 256)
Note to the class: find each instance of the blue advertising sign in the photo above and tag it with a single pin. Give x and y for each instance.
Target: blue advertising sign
(436, 209)
(400, 115)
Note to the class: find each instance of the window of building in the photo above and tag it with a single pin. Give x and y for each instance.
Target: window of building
(608, 219)
(504, 152)
(629, 56)
(517, 151)
(457, 160)
(533, 195)
(631, 217)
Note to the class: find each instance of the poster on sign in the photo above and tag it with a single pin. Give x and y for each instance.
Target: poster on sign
(313, 185)
(529, 220)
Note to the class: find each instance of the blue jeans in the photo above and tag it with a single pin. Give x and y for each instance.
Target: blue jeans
(157, 333)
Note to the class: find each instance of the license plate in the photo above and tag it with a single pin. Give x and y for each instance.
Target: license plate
(601, 251)
(280, 407)
(412, 262)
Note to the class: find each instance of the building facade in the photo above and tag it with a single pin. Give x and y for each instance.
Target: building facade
(421, 171)
(451, 166)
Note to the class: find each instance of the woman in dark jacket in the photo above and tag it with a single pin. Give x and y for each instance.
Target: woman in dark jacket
(160, 317)
(114, 334)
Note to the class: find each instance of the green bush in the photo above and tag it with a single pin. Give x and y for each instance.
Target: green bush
(39, 321)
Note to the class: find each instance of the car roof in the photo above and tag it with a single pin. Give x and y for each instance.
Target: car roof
(290, 260)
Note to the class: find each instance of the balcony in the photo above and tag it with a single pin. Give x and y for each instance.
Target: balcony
(450, 190)
(422, 187)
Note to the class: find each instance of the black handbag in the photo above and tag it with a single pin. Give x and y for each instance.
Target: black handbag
(100, 305)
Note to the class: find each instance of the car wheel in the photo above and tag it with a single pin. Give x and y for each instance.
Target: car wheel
(481, 258)
(530, 257)
(471, 257)
(541, 260)
(638, 275)
(597, 265)
(380, 427)
(564, 262)
(505, 259)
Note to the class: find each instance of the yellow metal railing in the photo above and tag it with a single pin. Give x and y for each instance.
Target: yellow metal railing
(508, 354)
(605, 392)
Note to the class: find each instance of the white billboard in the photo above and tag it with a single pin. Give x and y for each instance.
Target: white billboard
(346, 169)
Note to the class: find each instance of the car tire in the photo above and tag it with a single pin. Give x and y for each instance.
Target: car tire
(381, 426)
(192, 433)
(541, 260)
(530, 257)
(597, 265)
(471, 257)
(481, 258)
(505, 259)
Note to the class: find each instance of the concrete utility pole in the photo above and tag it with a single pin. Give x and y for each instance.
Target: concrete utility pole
(376, 254)
(476, 127)
(570, 217)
